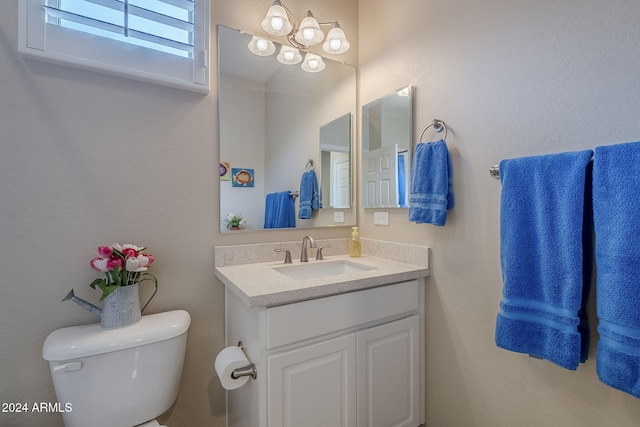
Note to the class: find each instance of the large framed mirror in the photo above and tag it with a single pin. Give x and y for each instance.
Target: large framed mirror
(386, 150)
(277, 124)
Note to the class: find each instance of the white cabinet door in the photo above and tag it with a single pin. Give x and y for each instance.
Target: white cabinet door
(388, 390)
(313, 386)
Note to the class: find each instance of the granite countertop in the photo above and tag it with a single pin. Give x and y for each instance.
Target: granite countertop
(259, 285)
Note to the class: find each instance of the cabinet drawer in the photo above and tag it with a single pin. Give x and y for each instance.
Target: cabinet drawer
(290, 323)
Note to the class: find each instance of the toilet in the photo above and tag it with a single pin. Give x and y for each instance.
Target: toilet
(121, 377)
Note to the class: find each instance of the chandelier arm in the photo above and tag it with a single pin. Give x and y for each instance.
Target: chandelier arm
(294, 24)
(291, 36)
(293, 42)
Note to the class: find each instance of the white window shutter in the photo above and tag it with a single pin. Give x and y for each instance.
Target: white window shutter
(160, 41)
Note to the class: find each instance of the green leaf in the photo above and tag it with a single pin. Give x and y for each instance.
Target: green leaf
(97, 282)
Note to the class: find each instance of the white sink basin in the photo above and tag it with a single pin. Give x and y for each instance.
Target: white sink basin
(314, 270)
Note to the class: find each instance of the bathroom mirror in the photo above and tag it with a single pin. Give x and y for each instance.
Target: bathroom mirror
(386, 150)
(276, 123)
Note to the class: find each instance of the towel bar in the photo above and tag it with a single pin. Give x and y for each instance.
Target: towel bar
(494, 170)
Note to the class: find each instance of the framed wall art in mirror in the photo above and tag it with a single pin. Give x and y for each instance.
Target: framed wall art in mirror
(386, 150)
(274, 118)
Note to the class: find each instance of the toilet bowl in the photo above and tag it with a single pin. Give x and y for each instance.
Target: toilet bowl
(121, 377)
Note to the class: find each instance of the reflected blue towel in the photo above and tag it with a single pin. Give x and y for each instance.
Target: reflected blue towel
(309, 195)
(616, 211)
(431, 190)
(545, 241)
(279, 210)
(402, 181)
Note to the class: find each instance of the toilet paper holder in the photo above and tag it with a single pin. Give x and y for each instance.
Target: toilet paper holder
(246, 371)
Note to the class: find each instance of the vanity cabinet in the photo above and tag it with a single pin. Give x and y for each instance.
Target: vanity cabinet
(346, 360)
(316, 382)
(388, 364)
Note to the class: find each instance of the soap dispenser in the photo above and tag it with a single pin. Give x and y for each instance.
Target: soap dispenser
(355, 247)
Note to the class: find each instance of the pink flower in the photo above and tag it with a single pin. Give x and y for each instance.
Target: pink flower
(129, 252)
(144, 260)
(105, 251)
(100, 264)
(115, 262)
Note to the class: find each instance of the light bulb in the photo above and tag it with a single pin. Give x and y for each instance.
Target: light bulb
(262, 45)
(308, 33)
(277, 23)
(289, 55)
(335, 44)
(313, 63)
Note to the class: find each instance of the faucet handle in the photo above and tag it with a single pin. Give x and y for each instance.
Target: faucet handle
(319, 253)
(287, 256)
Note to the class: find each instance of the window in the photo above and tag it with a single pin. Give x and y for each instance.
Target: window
(162, 41)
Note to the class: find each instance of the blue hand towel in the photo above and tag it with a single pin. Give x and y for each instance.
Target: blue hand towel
(545, 240)
(616, 211)
(279, 210)
(309, 195)
(431, 190)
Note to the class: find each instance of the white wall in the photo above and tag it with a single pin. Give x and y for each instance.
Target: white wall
(510, 79)
(89, 159)
(243, 145)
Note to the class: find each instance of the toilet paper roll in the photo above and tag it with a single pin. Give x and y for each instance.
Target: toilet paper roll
(228, 359)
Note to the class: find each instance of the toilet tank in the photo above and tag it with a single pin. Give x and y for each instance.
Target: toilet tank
(119, 377)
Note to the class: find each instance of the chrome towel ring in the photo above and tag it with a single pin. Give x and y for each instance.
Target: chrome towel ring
(438, 126)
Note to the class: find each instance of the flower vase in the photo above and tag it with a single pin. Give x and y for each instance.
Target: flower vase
(121, 308)
(234, 228)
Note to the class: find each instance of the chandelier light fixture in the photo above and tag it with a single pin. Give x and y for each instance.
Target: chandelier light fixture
(313, 63)
(279, 21)
(261, 47)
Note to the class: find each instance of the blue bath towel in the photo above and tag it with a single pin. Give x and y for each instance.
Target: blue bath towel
(279, 210)
(545, 241)
(431, 190)
(309, 195)
(616, 211)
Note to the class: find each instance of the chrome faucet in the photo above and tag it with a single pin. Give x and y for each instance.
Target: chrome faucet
(312, 244)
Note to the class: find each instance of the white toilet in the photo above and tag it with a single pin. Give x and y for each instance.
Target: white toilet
(118, 378)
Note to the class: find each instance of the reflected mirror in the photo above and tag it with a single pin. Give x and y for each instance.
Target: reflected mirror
(335, 149)
(386, 150)
(278, 125)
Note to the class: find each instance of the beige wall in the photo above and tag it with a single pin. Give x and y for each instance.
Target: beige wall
(89, 159)
(510, 78)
